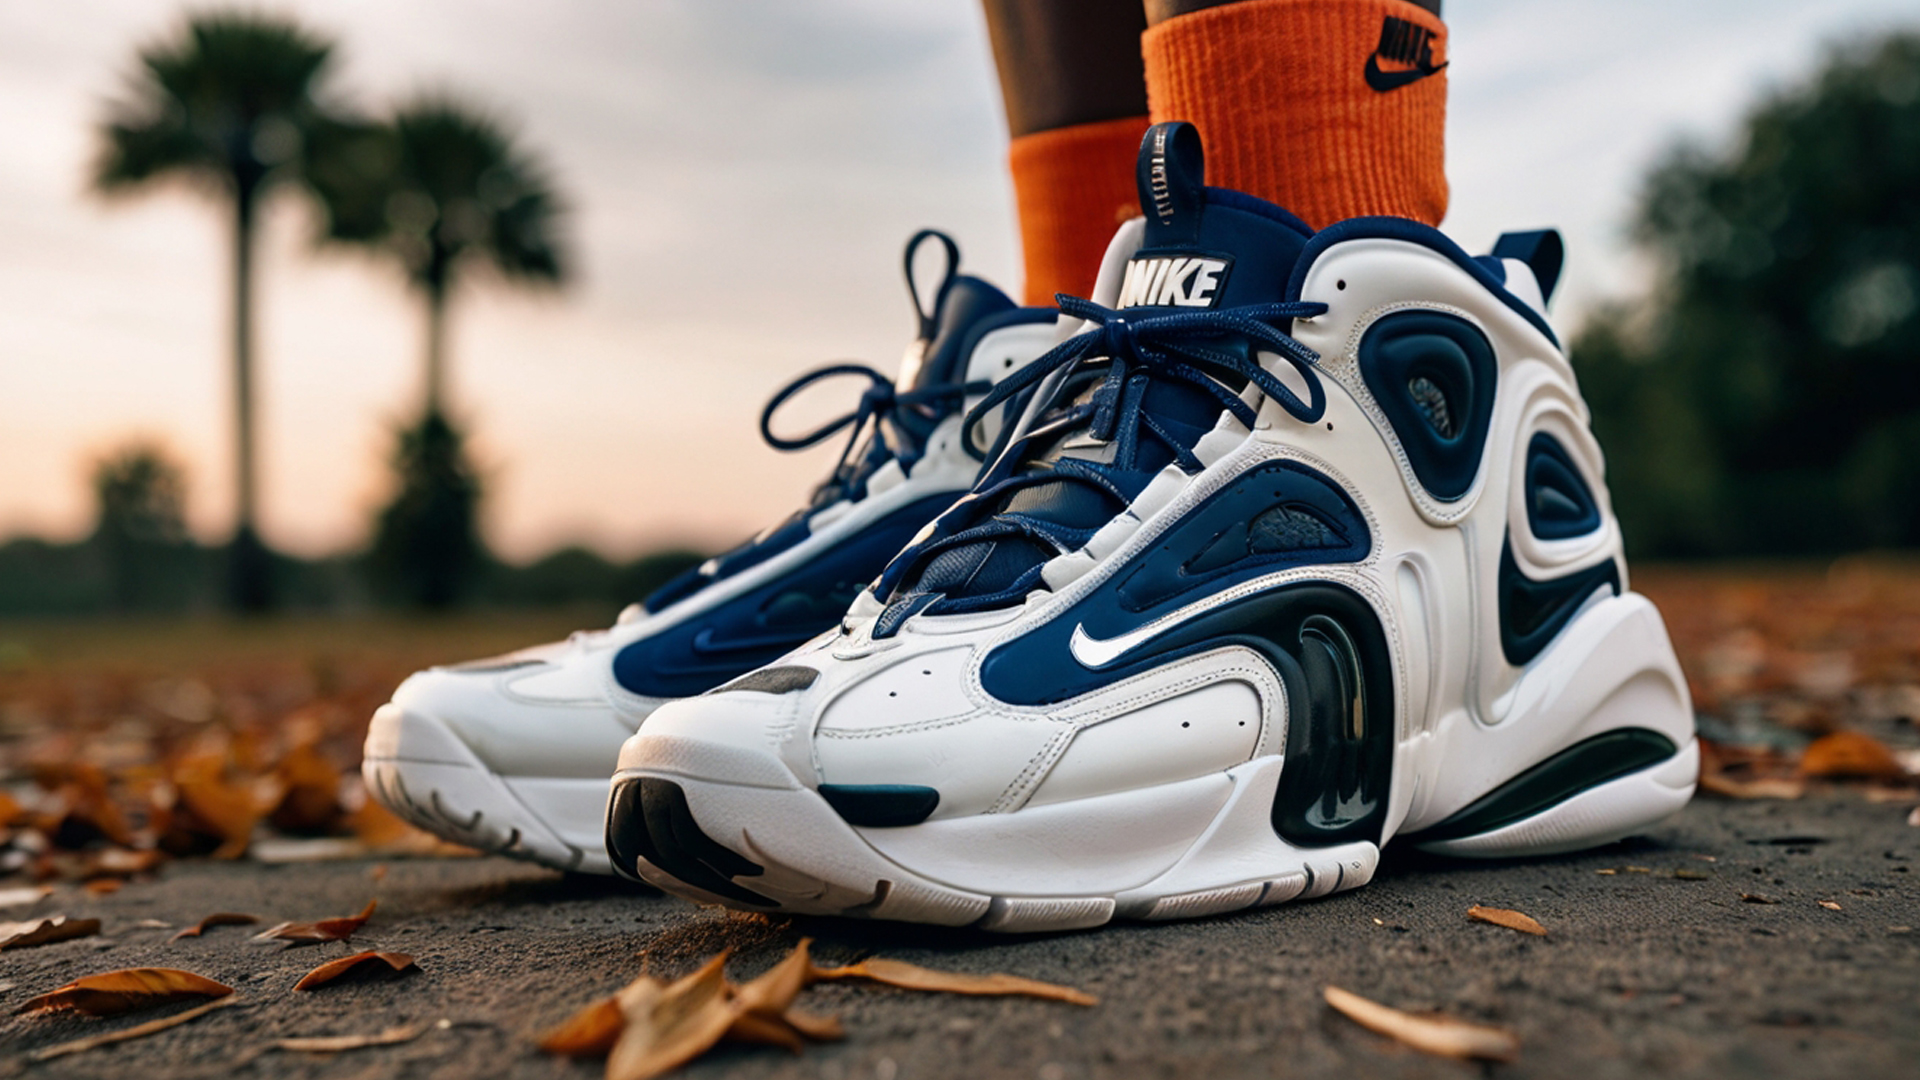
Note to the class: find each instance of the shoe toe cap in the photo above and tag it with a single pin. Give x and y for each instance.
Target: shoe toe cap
(512, 733)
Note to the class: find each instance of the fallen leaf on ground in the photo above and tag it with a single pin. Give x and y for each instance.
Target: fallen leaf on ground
(767, 1013)
(310, 933)
(308, 850)
(310, 791)
(136, 1032)
(1512, 920)
(219, 918)
(124, 862)
(19, 935)
(672, 1025)
(914, 977)
(1741, 772)
(760, 1011)
(1429, 1034)
(208, 814)
(24, 894)
(1913, 819)
(105, 886)
(650, 1027)
(128, 990)
(588, 1033)
(333, 1044)
(367, 964)
(1850, 755)
(1830, 905)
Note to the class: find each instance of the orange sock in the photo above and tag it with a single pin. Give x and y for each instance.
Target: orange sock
(1072, 187)
(1330, 108)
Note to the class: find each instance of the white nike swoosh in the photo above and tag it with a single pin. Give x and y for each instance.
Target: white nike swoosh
(1096, 652)
(1093, 652)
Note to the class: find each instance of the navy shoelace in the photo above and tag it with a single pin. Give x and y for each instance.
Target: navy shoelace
(882, 404)
(1180, 347)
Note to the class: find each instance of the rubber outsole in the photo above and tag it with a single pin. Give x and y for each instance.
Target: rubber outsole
(1235, 863)
(422, 772)
(820, 865)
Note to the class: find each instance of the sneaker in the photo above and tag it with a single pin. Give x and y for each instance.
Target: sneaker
(511, 755)
(1303, 546)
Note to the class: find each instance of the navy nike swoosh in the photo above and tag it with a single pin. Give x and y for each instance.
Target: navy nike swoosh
(1383, 81)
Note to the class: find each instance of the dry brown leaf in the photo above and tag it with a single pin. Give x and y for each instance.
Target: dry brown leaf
(137, 1031)
(1742, 772)
(333, 1044)
(218, 918)
(127, 990)
(105, 886)
(1913, 818)
(1829, 905)
(589, 1032)
(774, 990)
(760, 1011)
(913, 977)
(680, 1023)
(206, 811)
(310, 792)
(1850, 755)
(20, 935)
(1512, 920)
(367, 964)
(814, 1026)
(124, 862)
(24, 895)
(764, 1030)
(1440, 1035)
(312, 933)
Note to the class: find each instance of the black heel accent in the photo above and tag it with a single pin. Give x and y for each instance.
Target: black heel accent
(1586, 764)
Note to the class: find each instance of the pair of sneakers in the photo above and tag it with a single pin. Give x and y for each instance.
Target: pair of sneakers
(1286, 544)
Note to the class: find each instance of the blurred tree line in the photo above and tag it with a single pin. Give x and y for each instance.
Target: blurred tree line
(141, 559)
(1765, 398)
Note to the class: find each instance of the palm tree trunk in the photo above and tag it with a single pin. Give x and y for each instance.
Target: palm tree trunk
(248, 584)
(436, 348)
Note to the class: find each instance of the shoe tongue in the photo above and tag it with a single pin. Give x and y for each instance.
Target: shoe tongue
(940, 353)
(1203, 247)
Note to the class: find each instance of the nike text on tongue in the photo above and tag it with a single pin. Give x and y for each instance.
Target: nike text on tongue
(1173, 280)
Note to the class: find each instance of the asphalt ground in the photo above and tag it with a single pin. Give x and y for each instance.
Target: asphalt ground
(1665, 967)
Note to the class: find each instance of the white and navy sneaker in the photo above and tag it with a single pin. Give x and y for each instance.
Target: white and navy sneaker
(512, 754)
(1302, 546)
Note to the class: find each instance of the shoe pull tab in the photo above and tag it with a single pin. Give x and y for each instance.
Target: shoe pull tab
(1171, 173)
(1542, 251)
(926, 315)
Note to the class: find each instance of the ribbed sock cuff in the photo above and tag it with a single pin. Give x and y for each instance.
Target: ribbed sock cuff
(1072, 187)
(1330, 108)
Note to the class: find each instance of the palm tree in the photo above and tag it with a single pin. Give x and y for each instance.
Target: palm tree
(226, 103)
(441, 187)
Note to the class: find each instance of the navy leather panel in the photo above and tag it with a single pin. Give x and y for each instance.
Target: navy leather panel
(1039, 667)
(761, 625)
(1405, 359)
(1532, 613)
(1560, 505)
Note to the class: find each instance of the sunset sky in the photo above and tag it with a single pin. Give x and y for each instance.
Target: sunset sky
(740, 176)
